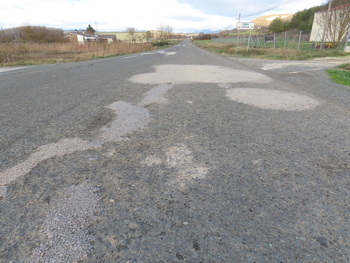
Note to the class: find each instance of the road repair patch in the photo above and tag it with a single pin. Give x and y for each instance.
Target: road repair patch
(180, 74)
(272, 99)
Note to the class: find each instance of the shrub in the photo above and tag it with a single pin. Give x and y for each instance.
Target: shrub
(38, 34)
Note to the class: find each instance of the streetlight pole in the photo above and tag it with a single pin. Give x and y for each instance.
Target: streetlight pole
(326, 24)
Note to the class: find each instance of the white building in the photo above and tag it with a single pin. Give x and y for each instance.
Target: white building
(83, 38)
(338, 17)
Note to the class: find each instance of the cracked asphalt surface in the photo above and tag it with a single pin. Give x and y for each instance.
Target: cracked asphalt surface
(174, 156)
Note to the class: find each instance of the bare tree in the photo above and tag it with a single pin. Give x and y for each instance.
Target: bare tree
(148, 36)
(165, 32)
(140, 38)
(132, 34)
(335, 24)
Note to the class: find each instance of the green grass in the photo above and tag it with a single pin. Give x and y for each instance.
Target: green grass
(341, 74)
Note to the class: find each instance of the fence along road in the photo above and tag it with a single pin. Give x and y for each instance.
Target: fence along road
(295, 39)
(174, 155)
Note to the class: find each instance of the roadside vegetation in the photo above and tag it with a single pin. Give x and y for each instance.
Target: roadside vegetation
(304, 53)
(32, 45)
(341, 74)
(284, 39)
(15, 54)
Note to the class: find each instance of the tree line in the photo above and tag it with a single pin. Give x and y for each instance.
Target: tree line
(303, 20)
(41, 34)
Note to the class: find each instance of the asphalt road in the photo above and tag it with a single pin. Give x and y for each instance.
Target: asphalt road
(178, 155)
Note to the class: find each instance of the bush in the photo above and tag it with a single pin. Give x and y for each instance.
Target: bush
(37, 34)
(203, 37)
(160, 44)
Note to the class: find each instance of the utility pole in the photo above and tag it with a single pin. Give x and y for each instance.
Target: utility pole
(325, 29)
(237, 39)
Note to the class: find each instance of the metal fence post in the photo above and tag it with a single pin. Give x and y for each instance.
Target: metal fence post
(347, 40)
(248, 41)
(285, 40)
(237, 42)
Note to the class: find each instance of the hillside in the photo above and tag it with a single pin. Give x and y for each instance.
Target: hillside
(264, 21)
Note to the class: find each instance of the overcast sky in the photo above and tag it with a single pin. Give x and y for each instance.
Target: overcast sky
(182, 15)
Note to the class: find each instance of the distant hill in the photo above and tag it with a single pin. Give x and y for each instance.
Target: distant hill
(264, 21)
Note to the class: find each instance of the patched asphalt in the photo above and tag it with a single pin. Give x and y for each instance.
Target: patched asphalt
(156, 159)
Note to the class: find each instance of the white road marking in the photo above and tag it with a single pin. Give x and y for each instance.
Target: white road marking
(143, 54)
(167, 53)
(129, 57)
(9, 69)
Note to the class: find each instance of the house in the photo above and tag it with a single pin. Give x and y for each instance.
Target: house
(107, 38)
(83, 38)
(337, 23)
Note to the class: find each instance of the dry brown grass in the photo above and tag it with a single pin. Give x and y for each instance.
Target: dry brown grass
(15, 54)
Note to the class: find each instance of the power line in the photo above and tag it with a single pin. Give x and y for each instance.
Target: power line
(270, 8)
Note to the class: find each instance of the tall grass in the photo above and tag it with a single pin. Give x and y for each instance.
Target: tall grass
(15, 54)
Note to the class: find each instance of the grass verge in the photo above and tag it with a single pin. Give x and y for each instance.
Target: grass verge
(269, 53)
(341, 74)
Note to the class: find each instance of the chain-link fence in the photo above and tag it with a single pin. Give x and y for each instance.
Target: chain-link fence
(288, 40)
